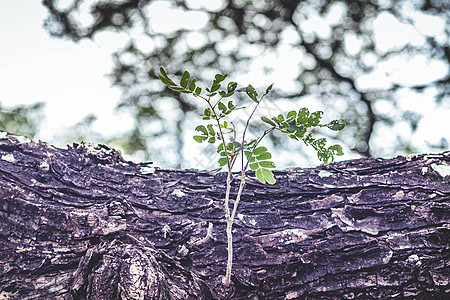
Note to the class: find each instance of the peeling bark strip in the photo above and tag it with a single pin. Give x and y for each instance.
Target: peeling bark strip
(82, 223)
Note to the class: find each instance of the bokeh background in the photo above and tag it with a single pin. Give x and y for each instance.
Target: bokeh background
(78, 70)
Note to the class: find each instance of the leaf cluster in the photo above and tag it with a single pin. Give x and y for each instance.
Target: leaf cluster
(296, 125)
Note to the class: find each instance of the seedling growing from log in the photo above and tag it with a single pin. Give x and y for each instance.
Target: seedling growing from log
(230, 146)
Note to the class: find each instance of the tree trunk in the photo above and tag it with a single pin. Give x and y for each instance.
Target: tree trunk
(82, 223)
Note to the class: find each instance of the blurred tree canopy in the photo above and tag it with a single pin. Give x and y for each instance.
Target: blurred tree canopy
(21, 119)
(330, 47)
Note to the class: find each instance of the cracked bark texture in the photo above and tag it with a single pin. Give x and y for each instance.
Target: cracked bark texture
(83, 223)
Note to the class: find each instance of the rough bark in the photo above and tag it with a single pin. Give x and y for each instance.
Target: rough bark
(83, 223)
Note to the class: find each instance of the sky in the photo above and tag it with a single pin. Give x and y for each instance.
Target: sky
(71, 78)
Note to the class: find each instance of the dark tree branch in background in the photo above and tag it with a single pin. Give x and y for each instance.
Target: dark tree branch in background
(83, 223)
(234, 31)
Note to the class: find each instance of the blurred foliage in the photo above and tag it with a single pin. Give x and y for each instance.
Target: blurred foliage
(21, 119)
(334, 41)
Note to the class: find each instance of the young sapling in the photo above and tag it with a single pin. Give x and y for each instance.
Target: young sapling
(296, 124)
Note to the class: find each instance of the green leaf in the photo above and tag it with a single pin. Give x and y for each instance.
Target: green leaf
(192, 85)
(163, 72)
(177, 88)
(300, 131)
(166, 81)
(267, 164)
(264, 156)
(202, 129)
(211, 130)
(320, 143)
(212, 140)
(303, 115)
(199, 138)
(259, 174)
(315, 117)
(185, 79)
(219, 78)
(337, 125)
(280, 118)
(215, 87)
(292, 114)
(222, 161)
(222, 107)
(234, 146)
(268, 121)
(260, 150)
(269, 88)
(231, 87)
(198, 90)
(207, 112)
(220, 148)
(268, 176)
(254, 166)
(251, 92)
(231, 105)
(336, 149)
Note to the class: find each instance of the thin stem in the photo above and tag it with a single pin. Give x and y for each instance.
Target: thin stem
(241, 186)
(229, 233)
(238, 197)
(245, 131)
(226, 202)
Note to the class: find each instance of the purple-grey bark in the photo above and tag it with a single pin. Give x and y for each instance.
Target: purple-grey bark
(83, 223)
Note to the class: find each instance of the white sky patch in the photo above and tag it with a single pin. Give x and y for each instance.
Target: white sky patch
(213, 5)
(417, 70)
(165, 19)
(402, 34)
(317, 25)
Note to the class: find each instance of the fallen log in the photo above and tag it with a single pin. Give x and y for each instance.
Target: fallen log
(83, 223)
